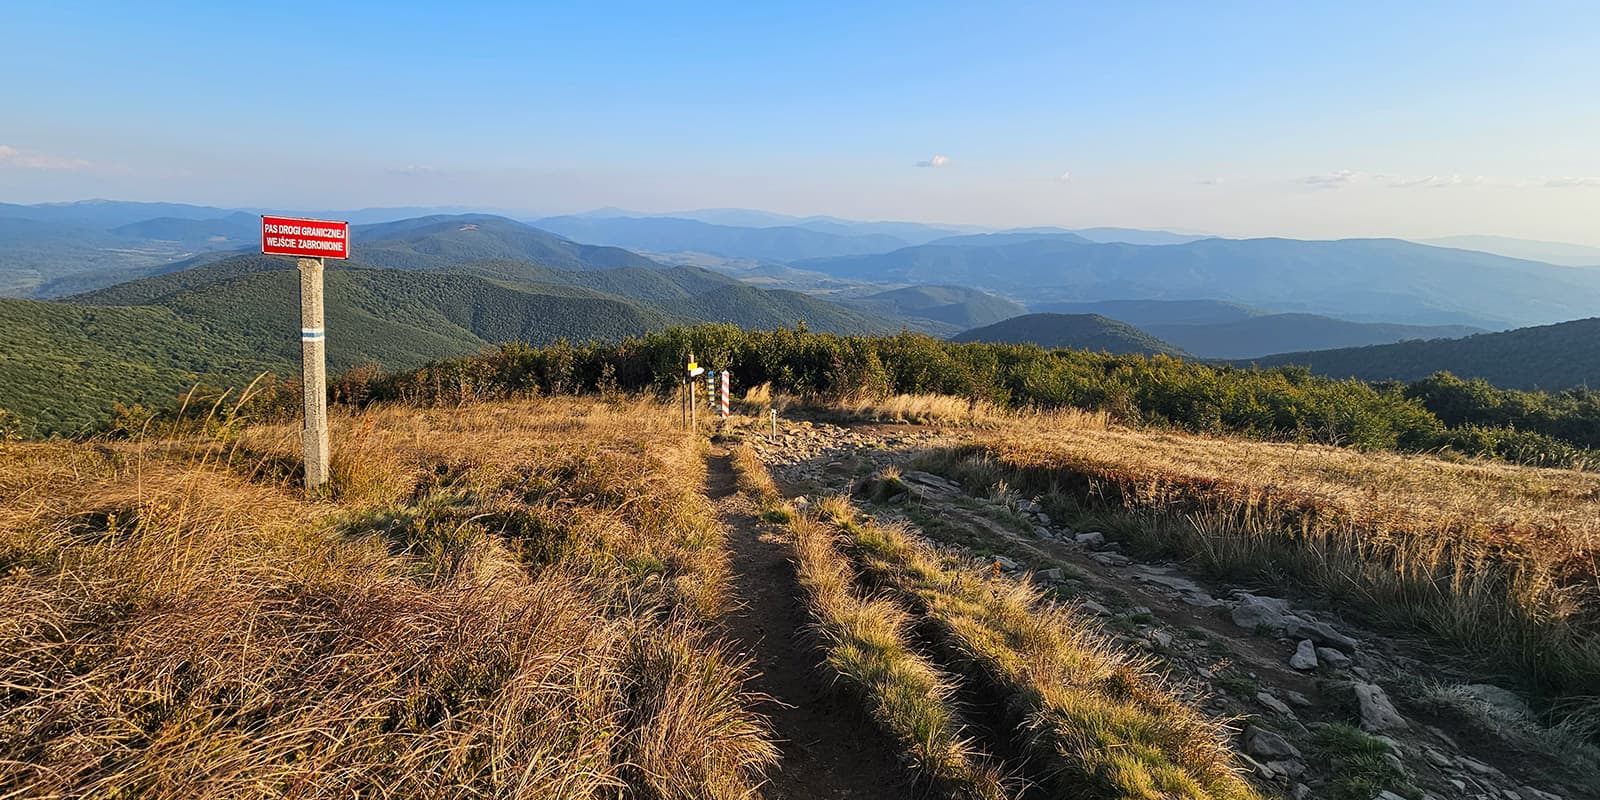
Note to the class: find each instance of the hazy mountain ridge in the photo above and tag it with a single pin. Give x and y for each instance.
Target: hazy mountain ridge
(1276, 333)
(1385, 278)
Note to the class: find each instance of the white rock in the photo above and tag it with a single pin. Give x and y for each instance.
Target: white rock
(1333, 658)
(1090, 539)
(1377, 713)
(1007, 564)
(1266, 744)
(1305, 656)
(1268, 700)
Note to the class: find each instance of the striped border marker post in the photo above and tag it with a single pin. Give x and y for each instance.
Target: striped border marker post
(724, 394)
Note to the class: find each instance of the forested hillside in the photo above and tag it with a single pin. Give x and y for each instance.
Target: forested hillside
(1090, 332)
(1545, 357)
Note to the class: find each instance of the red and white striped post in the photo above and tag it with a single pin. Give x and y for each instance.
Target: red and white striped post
(724, 396)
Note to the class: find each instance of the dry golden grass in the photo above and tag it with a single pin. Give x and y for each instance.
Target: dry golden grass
(1498, 557)
(494, 601)
(922, 409)
(866, 646)
(1099, 723)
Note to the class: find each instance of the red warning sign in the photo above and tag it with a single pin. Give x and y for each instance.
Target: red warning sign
(308, 238)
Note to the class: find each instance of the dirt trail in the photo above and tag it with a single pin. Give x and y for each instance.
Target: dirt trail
(828, 750)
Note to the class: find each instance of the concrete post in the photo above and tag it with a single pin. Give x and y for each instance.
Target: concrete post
(314, 373)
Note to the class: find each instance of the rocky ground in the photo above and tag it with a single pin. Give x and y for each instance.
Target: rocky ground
(1323, 707)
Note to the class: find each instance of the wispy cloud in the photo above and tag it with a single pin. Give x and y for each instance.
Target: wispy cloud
(1211, 181)
(1332, 180)
(412, 169)
(936, 161)
(12, 158)
(1065, 177)
(1434, 181)
(1572, 182)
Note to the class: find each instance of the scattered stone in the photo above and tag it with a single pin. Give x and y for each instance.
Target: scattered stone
(1044, 518)
(1265, 743)
(1094, 608)
(1538, 794)
(1319, 632)
(1288, 769)
(1305, 656)
(802, 502)
(1388, 795)
(1053, 575)
(1272, 614)
(1300, 792)
(1477, 767)
(1161, 638)
(1041, 532)
(1255, 611)
(1437, 758)
(1268, 700)
(1111, 559)
(1090, 539)
(1377, 713)
(1007, 564)
(1333, 658)
(1295, 698)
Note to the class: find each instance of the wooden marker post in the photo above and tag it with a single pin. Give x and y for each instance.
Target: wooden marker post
(314, 373)
(311, 241)
(691, 371)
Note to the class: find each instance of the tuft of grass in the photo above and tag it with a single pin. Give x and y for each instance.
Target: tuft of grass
(1097, 720)
(866, 646)
(1359, 769)
(752, 478)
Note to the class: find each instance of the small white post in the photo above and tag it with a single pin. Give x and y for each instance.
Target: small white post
(314, 373)
(774, 414)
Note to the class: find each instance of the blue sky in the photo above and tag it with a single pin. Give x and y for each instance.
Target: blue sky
(1299, 119)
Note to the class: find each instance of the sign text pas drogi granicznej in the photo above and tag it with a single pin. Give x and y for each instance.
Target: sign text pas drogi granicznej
(307, 238)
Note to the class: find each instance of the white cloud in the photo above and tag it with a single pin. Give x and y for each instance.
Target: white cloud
(1435, 181)
(1571, 182)
(1065, 177)
(936, 161)
(1332, 180)
(12, 158)
(1211, 181)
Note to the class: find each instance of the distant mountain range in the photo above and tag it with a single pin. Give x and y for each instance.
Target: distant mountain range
(1381, 280)
(1561, 253)
(1549, 357)
(1077, 331)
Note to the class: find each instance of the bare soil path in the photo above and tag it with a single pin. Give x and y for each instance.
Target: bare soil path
(828, 750)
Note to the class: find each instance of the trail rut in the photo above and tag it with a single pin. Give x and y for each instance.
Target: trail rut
(828, 750)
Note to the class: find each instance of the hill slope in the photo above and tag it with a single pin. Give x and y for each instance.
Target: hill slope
(1549, 357)
(1077, 331)
(1141, 313)
(439, 241)
(1276, 333)
(952, 305)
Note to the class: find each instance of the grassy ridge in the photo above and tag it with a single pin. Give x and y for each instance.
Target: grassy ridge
(479, 608)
